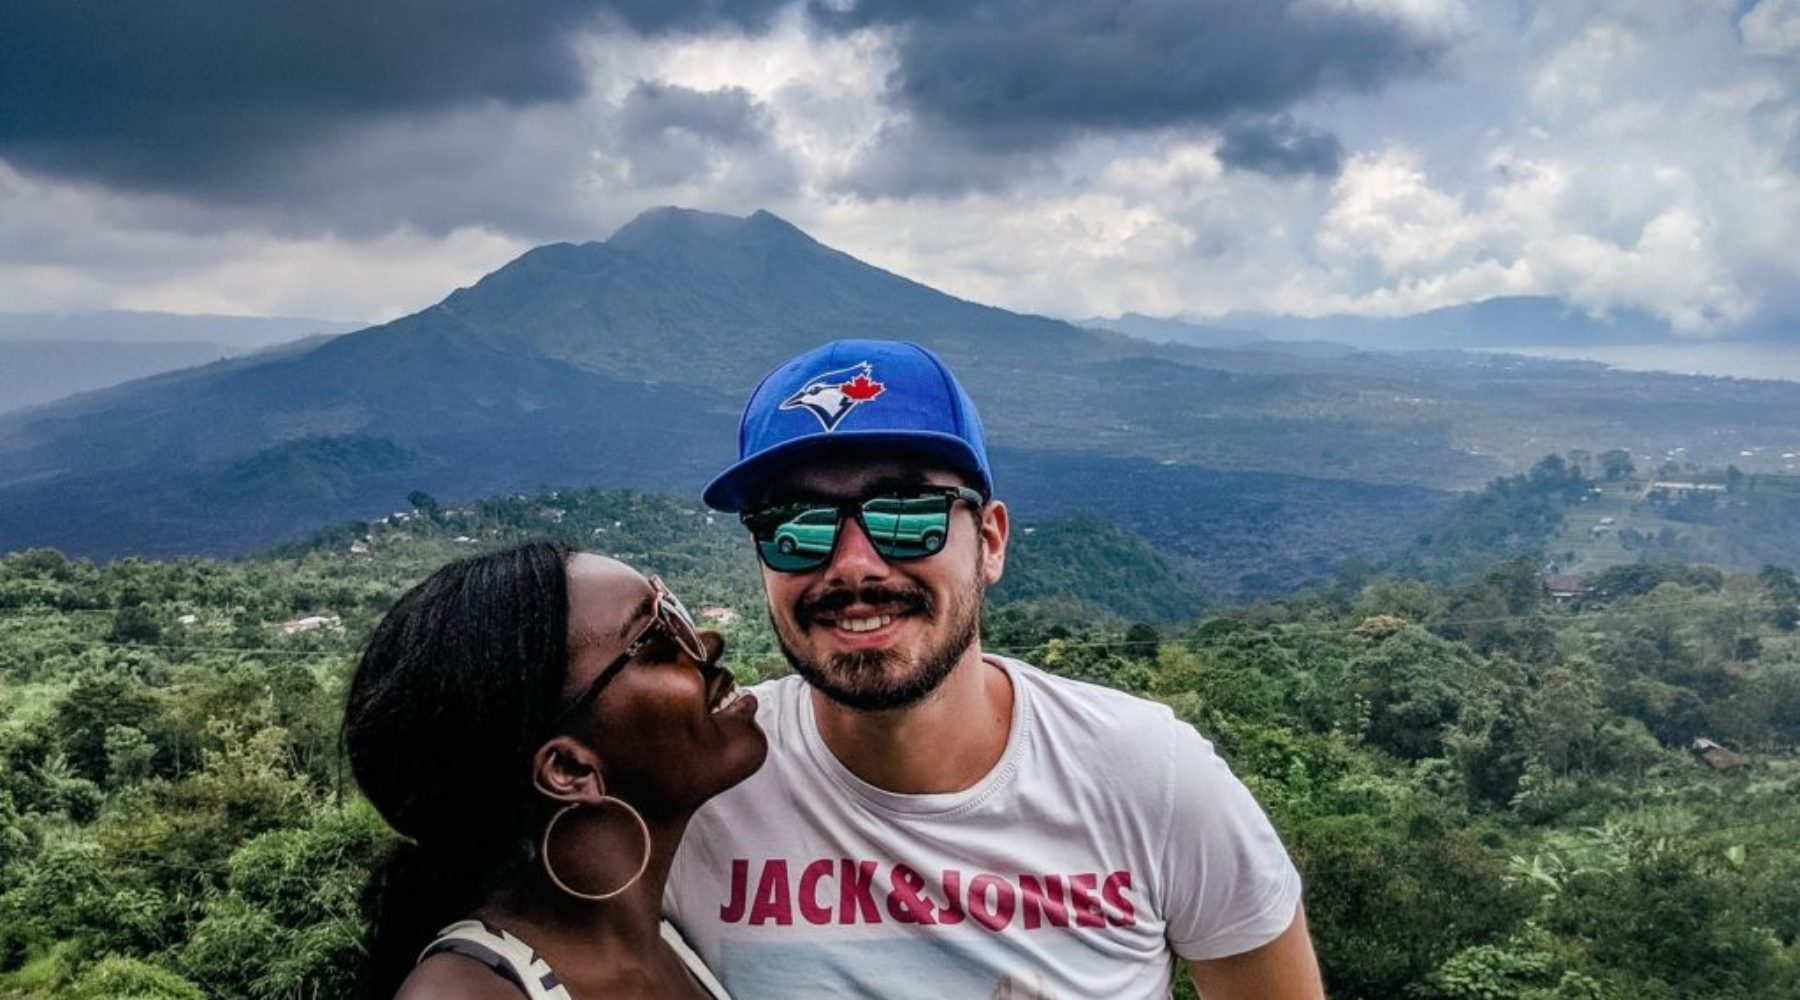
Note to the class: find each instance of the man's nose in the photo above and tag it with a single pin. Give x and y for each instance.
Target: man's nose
(854, 560)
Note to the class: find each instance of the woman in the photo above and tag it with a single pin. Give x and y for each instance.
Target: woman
(541, 724)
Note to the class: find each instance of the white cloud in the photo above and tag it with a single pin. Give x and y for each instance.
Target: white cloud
(1542, 229)
(1772, 28)
(1577, 76)
(1023, 255)
(1426, 18)
(1671, 269)
(1386, 210)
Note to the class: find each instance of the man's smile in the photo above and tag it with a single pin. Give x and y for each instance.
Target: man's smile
(870, 610)
(862, 627)
(861, 624)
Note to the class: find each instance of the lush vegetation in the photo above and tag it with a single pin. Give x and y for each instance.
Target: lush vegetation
(1582, 514)
(1242, 536)
(1491, 794)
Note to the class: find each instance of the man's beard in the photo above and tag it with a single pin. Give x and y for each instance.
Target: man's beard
(864, 679)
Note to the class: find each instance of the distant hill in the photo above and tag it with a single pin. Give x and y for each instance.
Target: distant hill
(120, 326)
(1582, 516)
(47, 356)
(39, 371)
(623, 364)
(1175, 331)
(1507, 321)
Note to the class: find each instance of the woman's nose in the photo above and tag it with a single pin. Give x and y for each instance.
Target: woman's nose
(714, 644)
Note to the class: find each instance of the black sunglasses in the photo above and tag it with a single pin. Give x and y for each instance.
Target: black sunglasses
(670, 617)
(800, 536)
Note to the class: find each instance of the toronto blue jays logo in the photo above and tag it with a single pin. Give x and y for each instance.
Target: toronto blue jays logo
(832, 396)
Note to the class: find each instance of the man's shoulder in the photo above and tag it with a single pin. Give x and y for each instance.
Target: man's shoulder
(1089, 704)
(1124, 729)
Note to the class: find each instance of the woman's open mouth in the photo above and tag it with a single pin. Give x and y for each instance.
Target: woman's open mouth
(724, 694)
(732, 697)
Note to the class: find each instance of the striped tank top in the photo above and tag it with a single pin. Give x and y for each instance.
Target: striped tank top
(514, 961)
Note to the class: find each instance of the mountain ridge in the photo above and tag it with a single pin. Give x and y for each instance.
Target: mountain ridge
(624, 362)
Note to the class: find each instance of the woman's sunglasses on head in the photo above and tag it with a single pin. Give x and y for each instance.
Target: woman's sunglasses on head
(668, 616)
(800, 536)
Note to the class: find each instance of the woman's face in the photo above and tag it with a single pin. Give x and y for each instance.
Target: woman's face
(667, 729)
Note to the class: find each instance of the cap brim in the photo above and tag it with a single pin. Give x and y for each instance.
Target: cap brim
(740, 485)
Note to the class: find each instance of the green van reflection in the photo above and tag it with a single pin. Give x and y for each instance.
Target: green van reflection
(897, 527)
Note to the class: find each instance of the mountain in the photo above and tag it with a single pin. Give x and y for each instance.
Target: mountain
(1175, 331)
(573, 364)
(719, 286)
(624, 363)
(1508, 321)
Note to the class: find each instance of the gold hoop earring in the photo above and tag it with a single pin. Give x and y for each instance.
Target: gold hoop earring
(550, 870)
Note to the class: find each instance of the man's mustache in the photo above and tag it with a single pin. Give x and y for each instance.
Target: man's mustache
(905, 599)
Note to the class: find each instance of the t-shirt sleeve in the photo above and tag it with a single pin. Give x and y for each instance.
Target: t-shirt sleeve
(1227, 882)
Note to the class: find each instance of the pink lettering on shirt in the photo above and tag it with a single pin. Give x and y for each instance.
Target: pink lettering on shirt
(855, 893)
(733, 910)
(1042, 901)
(814, 911)
(1072, 902)
(1113, 891)
(993, 914)
(904, 903)
(773, 905)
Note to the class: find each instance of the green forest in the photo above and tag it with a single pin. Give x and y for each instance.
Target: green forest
(1490, 792)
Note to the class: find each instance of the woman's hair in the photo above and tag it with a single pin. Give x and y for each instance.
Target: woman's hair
(448, 704)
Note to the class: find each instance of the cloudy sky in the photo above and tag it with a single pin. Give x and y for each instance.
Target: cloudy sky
(357, 160)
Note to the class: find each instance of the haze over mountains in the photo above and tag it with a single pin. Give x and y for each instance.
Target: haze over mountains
(46, 356)
(624, 363)
(1506, 322)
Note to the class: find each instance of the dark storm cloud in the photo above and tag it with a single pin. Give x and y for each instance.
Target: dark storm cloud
(670, 134)
(367, 113)
(177, 95)
(730, 115)
(1017, 74)
(911, 158)
(1280, 148)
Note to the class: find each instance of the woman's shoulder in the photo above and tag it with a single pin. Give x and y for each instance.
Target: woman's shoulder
(477, 960)
(450, 976)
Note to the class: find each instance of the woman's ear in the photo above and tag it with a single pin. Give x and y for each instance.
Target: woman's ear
(566, 770)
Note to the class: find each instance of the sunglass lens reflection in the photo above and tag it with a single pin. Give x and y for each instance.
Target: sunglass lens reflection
(798, 538)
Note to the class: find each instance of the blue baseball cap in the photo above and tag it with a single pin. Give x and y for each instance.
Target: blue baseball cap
(853, 397)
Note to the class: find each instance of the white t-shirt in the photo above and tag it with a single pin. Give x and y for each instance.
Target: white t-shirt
(1108, 840)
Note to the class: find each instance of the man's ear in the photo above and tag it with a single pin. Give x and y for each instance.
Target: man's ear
(994, 528)
(566, 770)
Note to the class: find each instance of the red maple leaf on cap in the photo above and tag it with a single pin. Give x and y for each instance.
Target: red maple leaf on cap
(861, 388)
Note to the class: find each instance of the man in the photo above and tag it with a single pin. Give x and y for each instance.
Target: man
(933, 821)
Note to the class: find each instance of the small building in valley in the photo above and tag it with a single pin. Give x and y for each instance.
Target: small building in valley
(718, 614)
(310, 623)
(1718, 757)
(1566, 586)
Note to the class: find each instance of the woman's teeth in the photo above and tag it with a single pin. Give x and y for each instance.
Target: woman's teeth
(730, 698)
(864, 624)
